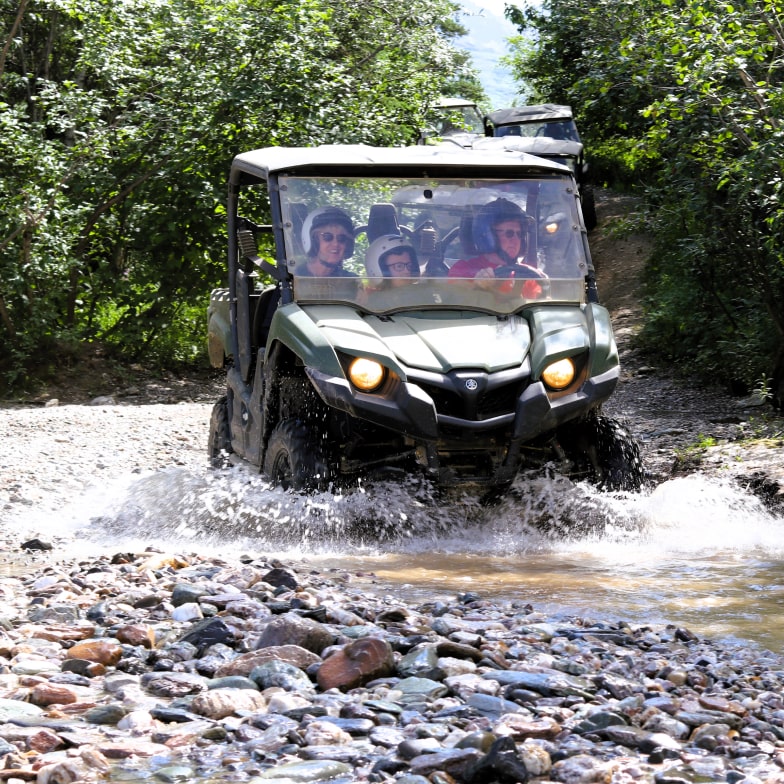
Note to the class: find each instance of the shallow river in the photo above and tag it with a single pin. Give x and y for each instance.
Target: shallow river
(692, 552)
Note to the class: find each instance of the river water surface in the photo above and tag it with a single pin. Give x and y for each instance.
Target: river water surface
(693, 551)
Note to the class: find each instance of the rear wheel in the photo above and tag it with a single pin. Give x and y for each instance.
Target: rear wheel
(219, 441)
(602, 450)
(294, 458)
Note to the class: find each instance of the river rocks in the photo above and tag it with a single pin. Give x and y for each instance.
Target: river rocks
(302, 680)
(293, 629)
(291, 654)
(356, 664)
(219, 703)
(106, 652)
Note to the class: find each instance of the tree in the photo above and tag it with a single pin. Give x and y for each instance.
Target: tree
(690, 92)
(568, 52)
(118, 124)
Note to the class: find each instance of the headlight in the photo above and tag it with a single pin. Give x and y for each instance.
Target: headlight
(560, 374)
(366, 374)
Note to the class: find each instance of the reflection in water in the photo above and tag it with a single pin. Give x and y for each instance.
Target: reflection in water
(693, 552)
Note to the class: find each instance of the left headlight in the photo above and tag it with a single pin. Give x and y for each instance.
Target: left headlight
(558, 375)
(365, 374)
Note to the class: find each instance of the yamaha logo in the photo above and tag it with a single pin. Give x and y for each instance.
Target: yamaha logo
(471, 384)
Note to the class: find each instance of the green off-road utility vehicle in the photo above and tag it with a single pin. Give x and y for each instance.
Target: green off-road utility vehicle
(370, 329)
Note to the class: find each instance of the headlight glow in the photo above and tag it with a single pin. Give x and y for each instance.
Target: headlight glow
(366, 374)
(559, 374)
(551, 227)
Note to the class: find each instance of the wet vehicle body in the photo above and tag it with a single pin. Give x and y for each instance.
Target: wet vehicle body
(332, 379)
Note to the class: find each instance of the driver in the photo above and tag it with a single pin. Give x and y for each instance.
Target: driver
(328, 239)
(499, 233)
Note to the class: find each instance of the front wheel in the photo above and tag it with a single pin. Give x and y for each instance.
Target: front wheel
(219, 442)
(294, 459)
(604, 451)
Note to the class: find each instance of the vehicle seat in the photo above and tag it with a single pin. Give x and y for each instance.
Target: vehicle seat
(382, 219)
(554, 130)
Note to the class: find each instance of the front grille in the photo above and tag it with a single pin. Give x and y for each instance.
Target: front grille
(493, 396)
(446, 401)
(499, 401)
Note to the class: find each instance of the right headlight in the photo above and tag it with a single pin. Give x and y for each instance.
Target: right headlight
(559, 374)
(553, 223)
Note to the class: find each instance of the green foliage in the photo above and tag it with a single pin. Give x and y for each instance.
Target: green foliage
(688, 458)
(622, 163)
(685, 98)
(117, 125)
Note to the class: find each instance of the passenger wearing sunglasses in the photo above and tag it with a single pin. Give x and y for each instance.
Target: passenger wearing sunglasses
(327, 239)
(499, 233)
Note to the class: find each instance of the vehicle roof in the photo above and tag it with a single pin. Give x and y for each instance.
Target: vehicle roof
(361, 158)
(532, 113)
(534, 145)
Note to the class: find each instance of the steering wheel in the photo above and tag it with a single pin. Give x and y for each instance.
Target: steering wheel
(519, 271)
(522, 274)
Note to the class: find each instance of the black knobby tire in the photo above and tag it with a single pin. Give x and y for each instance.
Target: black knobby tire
(602, 449)
(294, 458)
(619, 455)
(219, 441)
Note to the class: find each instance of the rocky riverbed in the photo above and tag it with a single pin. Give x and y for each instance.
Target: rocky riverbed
(158, 667)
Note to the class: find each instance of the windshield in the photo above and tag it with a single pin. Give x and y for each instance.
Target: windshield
(406, 244)
(457, 119)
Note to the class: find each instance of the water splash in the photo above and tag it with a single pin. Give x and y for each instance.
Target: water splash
(696, 550)
(540, 513)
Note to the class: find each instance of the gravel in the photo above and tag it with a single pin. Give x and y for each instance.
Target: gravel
(54, 453)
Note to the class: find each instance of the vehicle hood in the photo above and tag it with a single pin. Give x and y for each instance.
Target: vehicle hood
(439, 341)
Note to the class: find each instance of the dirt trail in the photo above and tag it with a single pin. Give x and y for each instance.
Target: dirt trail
(619, 261)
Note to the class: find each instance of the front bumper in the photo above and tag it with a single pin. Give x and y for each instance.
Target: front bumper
(410, 411)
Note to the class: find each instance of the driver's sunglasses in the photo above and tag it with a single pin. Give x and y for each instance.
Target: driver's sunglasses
(509, 233)
(328, 236)
(402, 266)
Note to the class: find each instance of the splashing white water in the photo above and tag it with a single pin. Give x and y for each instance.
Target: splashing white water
(539, 513)
(695, 550)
